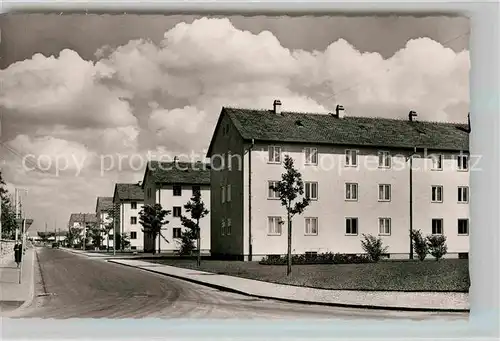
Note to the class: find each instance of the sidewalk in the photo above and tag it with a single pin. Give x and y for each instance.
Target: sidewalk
(424, 301)
(118, 255)
(12, 294)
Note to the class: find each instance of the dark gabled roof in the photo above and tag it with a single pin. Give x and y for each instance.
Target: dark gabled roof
(314, 128)
(82, 217)
(104, 204)
(128, 192)
(190, 173)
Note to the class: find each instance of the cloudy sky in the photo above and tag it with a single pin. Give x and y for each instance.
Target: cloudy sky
(78, 93)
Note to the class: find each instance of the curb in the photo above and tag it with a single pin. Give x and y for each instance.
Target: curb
(289, 300)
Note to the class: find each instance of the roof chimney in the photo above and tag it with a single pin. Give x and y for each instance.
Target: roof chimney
(411, 115)
(277, 106)
(468, 123)
(339, 111)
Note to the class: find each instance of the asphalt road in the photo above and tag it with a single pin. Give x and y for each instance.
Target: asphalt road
(75, 286)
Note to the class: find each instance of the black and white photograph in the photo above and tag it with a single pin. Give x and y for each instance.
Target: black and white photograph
(222, 167)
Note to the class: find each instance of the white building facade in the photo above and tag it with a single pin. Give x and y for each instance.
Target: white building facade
(172, 185)
(356, 173)
(104, 214)
(128, 200)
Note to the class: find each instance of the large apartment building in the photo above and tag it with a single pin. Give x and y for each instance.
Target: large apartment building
(128, 200)
(172, 185)
(356, 173)
(104, 214)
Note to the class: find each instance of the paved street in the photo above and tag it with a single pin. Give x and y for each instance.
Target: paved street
(75, 286)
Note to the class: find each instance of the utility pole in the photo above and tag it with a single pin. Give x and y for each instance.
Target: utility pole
(411, 206)
(84, 232)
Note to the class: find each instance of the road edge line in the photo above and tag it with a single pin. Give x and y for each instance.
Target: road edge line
(289, 300)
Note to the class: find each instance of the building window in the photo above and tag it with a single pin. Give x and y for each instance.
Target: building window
(223, 227)
(177, 211)
(271, 193)
(133, 220)
(437, 194)
(351, 191)
(463, 227)
(228, 197)
(463, 194)
(177, 190)
(133, 205)
(311, 156)
(351, 226)
(384, 160)
(176, 232)
(437, 162)
(311, 189)
(223, 194)
(311, 228)
(274, 154)
(384, 192)
(462, 162)
(351, 158)
(133, 235)
(437, 226)
(228, 227)
(384, 226)
(149, 193)
(196, 189)
(274, 226)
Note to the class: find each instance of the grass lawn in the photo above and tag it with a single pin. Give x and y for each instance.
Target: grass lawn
(445, 275)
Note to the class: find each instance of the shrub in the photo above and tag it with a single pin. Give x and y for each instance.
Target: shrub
(373, 246)
(437, 246)
(322, 258)
(187, 243)
(419, 244)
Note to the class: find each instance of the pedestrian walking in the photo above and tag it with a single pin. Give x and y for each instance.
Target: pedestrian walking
(18, 251)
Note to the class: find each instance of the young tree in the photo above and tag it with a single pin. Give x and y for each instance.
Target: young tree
(108, 225)
(289, 189)
(8, 216)
(437, 246)
(152, 219)
(73, 236)
(197, 210)
(373, 246)
(95, 233)
(419, 244)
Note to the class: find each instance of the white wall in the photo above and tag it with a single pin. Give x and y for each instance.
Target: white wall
(331, 208)
(126, 213)
(167, 200)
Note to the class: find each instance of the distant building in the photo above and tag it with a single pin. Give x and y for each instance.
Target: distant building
(172, 185)
(356, 173)
(127, 201)
(104, 214)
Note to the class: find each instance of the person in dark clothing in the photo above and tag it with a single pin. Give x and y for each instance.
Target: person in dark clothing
(18, 250)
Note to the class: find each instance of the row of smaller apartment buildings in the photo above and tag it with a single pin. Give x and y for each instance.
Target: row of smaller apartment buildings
(355, 170)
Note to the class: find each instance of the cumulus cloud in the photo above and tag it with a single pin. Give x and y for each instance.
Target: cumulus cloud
(166, 97)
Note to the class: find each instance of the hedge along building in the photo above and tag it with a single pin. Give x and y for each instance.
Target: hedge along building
(172, 184)
(128, 200)
(356, 173)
